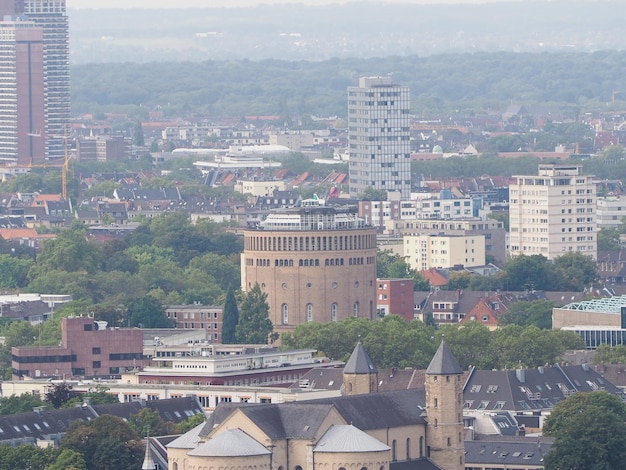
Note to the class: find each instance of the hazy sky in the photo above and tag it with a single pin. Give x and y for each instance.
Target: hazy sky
(234, 3)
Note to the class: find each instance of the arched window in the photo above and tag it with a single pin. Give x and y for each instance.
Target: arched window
(297, 467)
(309, 312)
(285, 310)
(421, 446)
(175, 466)
(408, 448)
(355, 309)
(393, 451)
(333, 312)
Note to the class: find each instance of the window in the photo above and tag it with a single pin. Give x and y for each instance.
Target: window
(95, 350)
(285, 310)
(355, 309)
(309, 312)
(96, 365)
(333, 312)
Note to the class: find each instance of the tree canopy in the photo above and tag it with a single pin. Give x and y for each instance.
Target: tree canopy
(588, 429)
(254, 325)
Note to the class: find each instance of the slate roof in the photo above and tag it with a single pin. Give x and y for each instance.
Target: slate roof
(173, 410)
(443, 362)
(359, 362)
(381, 410)
(230, 443)
(189, 440)
(531, 389)
(301, 420)
(43, 424)
(347, 438)
(419, 464)
(526, 453)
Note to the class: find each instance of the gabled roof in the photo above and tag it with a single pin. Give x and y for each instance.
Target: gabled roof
(359, 362)
(230, 443)
(347, 438)
(535, 389)
(443, 362)
(381, 410)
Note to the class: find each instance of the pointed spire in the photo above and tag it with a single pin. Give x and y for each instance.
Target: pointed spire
(443, 362)
(359, 362)
(148, 461)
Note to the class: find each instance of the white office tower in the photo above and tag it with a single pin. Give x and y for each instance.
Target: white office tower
(51, 16)
(379, 136)
(553, 213)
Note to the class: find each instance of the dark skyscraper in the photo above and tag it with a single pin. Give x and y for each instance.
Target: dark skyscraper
(50, 19)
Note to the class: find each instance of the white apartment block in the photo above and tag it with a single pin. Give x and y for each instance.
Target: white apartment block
(258, 187)
(444, 251)
(610, 211)
(379, 213)
(553, 212)
(379, 136)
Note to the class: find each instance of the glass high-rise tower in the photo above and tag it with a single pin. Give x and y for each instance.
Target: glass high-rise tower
(379, 136)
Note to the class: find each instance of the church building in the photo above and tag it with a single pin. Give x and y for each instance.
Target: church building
(418, 429)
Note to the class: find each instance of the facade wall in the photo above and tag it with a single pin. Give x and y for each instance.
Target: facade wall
(553, 213)
(406, 442)
(312, 275)
(563, 317)
(610, 211)
(395, 296)
(445, 420)
(379, 136)
(359, 384)
(202, 317)
(446, 251)
(22, 111)
(92, 352)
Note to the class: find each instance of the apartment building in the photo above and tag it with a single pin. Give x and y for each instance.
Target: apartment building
(553, 212)
(444, 251)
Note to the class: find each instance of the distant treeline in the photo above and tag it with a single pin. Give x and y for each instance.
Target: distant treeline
(566, 83)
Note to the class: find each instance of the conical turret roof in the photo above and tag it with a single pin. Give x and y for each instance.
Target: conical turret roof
(359, 362)
(443, 362)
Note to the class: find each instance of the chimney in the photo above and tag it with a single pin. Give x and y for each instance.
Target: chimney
(521, 375)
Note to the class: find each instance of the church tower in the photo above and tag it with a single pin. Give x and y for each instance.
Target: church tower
(444, 408)
(360, 374)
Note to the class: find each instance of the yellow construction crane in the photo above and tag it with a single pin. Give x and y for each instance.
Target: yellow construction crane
(64, 167)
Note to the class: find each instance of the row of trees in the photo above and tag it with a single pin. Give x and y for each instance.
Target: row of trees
(570, 272)
(393, 342)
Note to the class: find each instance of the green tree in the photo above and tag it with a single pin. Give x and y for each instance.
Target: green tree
(537, 312)
(459, 280)
(588, 429)
(138, 138)
(13, 271)
(575, 271)
(70, 252)
(190, 423)
(60, 394)
(530, 273)
(230, 318)
(27, 456)
(147, 312)
(149, 421)
(254, 325)
(107, 442)
(372, 194)
(68, 460)
(99, 395)
(608, 239)
(14, 404)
